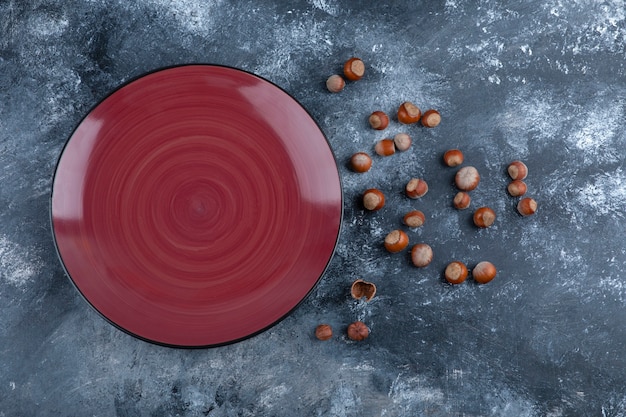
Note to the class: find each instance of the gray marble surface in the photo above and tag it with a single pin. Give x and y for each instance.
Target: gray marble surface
(542, 81)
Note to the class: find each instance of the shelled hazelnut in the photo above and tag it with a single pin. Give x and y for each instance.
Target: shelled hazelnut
(414, 218)
(361, 162)
(385, 147)
(527, 206)
(431, 118)
(409, 113)
(456, 272)
(360, 289)
(517, 188)
(421, 255)
(358, 331)
(396, 241)
(517, 170)
(354, 69)
(335, 83)
(484, 217)
(453, 157)
(416, 188)
(373, 199)
(379, 120)
(323, 332)
(484, 272)
(402, 141)
(467, 178)
(462, 200)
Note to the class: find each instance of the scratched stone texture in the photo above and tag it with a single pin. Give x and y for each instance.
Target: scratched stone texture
(541, 81)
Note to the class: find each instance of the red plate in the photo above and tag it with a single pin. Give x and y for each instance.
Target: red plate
(196, 206)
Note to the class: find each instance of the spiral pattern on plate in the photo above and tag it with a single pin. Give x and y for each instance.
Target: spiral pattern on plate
(196, 205)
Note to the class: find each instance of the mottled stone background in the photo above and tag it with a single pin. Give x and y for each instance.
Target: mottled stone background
(542, 81)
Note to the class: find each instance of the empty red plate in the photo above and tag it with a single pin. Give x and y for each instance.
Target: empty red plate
(196, 206)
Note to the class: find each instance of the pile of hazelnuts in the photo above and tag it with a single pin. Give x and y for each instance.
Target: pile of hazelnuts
(466, 179)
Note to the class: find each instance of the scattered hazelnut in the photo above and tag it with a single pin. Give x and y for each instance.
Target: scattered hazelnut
(527, 206)
(484, 217)
(403, 141)
(453, 157)
(421, 255)
(323, 332)
(517, 188)
(416, 188)
(455, 272)
(462, 200)
(358, 331)
(373, 199)
(385, 147)
(467, 178)
(362, 289)
(517, 170)
(431, 118)
(335, 83)
(396, 241)
(379, 120)
(354, 69)
(408, 113)
(484, 272)
(414, 218)
(361, 162)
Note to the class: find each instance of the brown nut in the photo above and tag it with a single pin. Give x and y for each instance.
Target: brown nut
(354, 69)
(416, 188)
(517, 188)
(361, 162)
(421, 255)
(431, 118)
(358, 331)
(362, 289)
(409, 113)
(456, 272)
(323, 332)
(517, 170)
(414, 218)
(484, 217)
(335, 83)
(379, 120)
(396, 241)
(467, 178)
(385, 147)
(527, 206)
(373, 199)
(453, 157)
(484, 272)
(462, 200)
(402, 141)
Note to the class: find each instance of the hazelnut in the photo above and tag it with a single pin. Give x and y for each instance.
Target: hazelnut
(396, 241)
(414, 218)
(362, 289)
(421, 255)
(467, 178)
(361, 162)
(462, 200)
(455, 272)
(408, 113)
(335, 83)
(517, 188)
(416, 188)
(431, 118)
(484, 217)
(527, 206)
(379, 120)
(402, 141)
(453, 157)
(323, 332)
(484, 272)
(354, 69)
(517, 170)
(373, 199)
(385, 147)
(358, 331)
